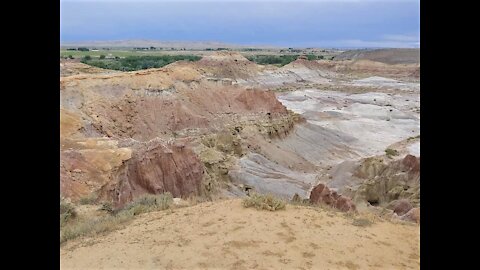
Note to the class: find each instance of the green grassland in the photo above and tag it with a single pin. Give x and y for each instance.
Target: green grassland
(138, 62)
(130, 59)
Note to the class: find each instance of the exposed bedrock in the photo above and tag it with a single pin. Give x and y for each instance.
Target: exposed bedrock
(156, 167)
(118, 172)
(267, 177)
(377, 182)
(321, 194)
(197, 128)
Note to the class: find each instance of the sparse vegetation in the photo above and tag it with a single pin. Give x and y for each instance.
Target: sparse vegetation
(107, 207)
(279, 60)
(264, 202)
(148, 203)
(131, 63)
(391, 152)
(90, 199)
(413, 138)
(311, 57)
(67, 212)
(114, 219)
(362, 222)
(297, 200)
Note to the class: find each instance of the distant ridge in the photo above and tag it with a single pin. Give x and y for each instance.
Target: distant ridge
(157, 43)
(388, 56)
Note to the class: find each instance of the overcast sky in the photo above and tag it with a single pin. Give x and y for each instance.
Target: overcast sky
(308, 23)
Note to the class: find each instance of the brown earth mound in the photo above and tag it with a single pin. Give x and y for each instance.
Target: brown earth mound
(74, 67)
(231, 65)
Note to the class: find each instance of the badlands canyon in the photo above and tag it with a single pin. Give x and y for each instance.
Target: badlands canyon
(338, 140)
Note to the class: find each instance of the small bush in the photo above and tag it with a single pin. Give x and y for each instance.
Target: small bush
(67, 212)
(362, 222)
(87, 58)
(391, 152)
(264, 202)
(107, 206)
(90, 199)
(70, 56)
(102, 56)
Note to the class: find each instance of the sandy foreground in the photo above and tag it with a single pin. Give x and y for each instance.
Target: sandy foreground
(225, 235)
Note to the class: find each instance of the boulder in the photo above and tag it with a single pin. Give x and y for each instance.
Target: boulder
(321, 194)
(400, 207)
(413, 215)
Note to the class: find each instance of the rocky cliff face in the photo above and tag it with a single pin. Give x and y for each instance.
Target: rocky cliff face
(156, 167)
(124, 170)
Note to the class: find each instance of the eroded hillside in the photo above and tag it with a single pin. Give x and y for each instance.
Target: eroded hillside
(222, 118)
(343, 134)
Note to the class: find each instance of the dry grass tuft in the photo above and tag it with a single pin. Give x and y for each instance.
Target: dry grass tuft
(264, 202)
(114, 219)
(362, 222)
(67, 212)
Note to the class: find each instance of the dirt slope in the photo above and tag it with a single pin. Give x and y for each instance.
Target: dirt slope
(224, 235)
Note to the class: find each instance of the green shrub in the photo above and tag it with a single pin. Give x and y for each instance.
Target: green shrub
(102, 56)
(314, 57)
(264, 202)
(87, 58)
(279, 60)
(391, 152)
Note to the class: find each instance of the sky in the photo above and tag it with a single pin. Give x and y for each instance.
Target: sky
(283, 23)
